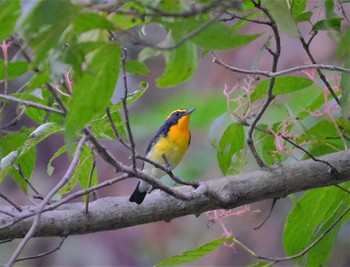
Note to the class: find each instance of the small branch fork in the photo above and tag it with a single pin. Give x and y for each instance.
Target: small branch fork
(270, 96)
(306, 46)
(40, 255)
(45, 201)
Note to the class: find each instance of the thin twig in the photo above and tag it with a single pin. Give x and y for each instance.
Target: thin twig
(333, 170)
(342, 188)
(306, 46)
(19, 170)
(270, 74)
(270, 96)
(235, 16)
(57, 98)
(267, 216)
(175, 178)
(301, 253)
(31, 104)
(92, 169)
(47, 198)
(15, 120)
(86, 191)
(342, 10)
(44, 253)
(114, 129)
(126, 111)
(11, 202)
(7, 213)
(102, 151)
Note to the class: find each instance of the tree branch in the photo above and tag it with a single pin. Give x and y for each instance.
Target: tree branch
(271, 74)
(30, 104)
(117, 212)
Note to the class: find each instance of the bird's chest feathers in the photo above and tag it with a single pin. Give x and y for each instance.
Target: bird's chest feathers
(174, 146)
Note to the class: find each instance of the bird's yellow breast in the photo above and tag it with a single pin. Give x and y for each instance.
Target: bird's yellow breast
(173, 145)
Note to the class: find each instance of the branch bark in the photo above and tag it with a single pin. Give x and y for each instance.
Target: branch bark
(117, 212)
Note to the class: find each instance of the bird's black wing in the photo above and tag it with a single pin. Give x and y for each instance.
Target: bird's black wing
(162, 131)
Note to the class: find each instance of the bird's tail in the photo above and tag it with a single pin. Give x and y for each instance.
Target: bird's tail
(140, 192)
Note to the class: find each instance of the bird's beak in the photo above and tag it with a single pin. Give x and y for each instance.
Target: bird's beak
(189, 111)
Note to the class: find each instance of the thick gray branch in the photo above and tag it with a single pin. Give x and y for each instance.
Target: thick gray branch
(117, 212)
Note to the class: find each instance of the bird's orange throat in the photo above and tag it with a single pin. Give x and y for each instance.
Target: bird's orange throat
(180, 133)
(183, 123)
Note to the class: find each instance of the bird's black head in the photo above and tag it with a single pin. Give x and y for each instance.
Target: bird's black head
(176, 115)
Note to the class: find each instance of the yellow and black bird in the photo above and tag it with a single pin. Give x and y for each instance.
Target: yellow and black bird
(172, 140)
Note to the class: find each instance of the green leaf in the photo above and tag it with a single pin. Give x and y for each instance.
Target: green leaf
(181, 64)
(38, 80)
(219, 36)
(298, 7)
(193, 255)
(306, 16)
(343, 49)
(168, 5)
(266, 147)
(136, 67)
(81, 173)
(100, 124)
(58, 153)
(314, 104)
(45, 25)
(124, 21)
(309, 218)
(131, 98)
(216, 35)
(10, 10)
(10, 145)
(322, 146)
(147, 53)
(329, 8)
(40, 134)
(283, 17)
(326, 24)
(76, 53)
(14, 69)
(92, 93)
(345, 85)
(231, 142)
(323, 129)
(283, 85)
(217, 129)
(304, 100)
(102, 128)
(90, 21)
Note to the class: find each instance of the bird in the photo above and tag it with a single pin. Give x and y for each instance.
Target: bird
(167, 147)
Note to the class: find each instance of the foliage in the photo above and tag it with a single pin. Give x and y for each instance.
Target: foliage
(88, 43)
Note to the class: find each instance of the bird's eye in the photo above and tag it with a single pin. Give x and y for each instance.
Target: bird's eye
(176, 113)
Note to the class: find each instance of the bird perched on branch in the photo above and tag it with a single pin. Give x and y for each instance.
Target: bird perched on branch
(167, 147)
